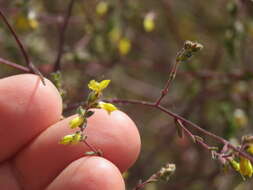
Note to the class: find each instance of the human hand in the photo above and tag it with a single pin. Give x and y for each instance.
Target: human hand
(31, 157)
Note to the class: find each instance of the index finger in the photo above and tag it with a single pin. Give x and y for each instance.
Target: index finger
(27, 107)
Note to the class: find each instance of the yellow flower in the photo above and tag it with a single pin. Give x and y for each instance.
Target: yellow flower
(98, 87)
(124, 46)
(115, 34)
(235, 165)
(76, 122)
(240, 118)
(102, 8)
(71, 139)
(107, 107)
(149, 22)
(25, 22)
(249, 149)
(245, 167)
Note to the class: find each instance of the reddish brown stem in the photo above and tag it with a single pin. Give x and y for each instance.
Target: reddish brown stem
(165, 90)
(57, 64)
(185, 122)
(92, 148)
(29, 64)
(14, 65)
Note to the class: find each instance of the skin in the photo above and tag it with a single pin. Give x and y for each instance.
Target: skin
(30, 128)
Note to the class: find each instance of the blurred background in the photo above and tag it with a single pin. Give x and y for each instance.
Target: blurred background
(134, 43)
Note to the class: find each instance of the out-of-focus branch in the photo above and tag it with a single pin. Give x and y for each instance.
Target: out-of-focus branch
(57, 64)
(163, 174)
(14, 65)
(29, 64)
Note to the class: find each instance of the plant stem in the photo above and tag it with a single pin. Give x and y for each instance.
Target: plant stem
(184, 121)
(165, 90)
(92, 148)
(57, 64)
(9, 63)
(29, 64)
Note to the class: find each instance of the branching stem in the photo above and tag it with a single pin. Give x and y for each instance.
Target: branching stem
(185, 122)
(29, 64)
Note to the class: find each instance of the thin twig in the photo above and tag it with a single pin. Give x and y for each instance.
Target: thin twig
(189, 49)
(29, 64)
(142, 184)
(93, 149)
(57, 64)
(164, 173)
(168, 83)
(184, 121)
(14, 65)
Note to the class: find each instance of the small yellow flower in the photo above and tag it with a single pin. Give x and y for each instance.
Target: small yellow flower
(246, 168)
(124, 46)
(102, 8)
(71, 139)
(76, 122)
(25, 22)
(149, 22)
(107, 107)
(234, 164)
(77, 138)
(240, 118)
(98, 87)
(33, 20)
(66, 139)
(249, 149)
(115, 34)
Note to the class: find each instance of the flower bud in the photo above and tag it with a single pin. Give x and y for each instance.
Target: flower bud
(107, 107)
(76, 122)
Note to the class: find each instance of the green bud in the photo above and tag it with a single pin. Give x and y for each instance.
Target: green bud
(89, 113)
(92, 98)
(235, 165)
(80, 111)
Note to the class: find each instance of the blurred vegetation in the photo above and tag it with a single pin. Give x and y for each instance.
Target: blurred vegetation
(134, 43)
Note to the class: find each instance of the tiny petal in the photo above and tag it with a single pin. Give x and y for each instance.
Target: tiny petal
(103, 84)
(98, 86)
(93, 85)
(76, 122)
(71, 139)
(67, 139)
(107, 107)
(124, 46)
(77, 138)
(102, 8)
(148, 22)
(240, 118)
(246, 168)
(250, 149)
(235, 165)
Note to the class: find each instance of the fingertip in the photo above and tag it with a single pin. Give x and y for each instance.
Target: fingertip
(118, 136)
(89, 173)
(115, 135)
(27, 107)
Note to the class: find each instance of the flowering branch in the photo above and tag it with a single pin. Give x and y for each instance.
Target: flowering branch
(84, 112)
